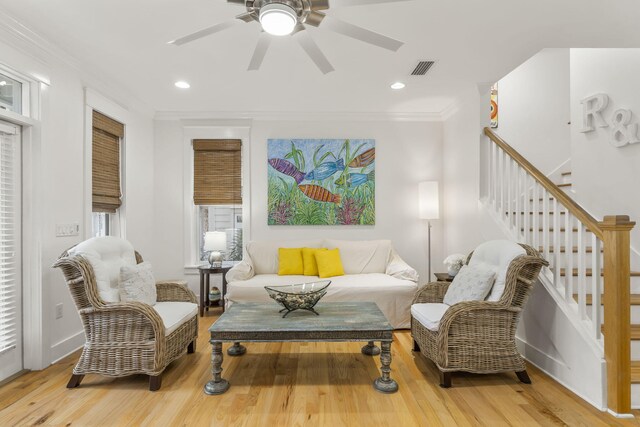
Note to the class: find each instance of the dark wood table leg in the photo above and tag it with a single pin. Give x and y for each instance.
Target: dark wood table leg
(371, 349)
(207, 289)
(224, 290)
(385, 384)
(201, 293)
(218, 385)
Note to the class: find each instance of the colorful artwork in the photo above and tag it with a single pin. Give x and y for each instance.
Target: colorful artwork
(321, 181)
(494, 106)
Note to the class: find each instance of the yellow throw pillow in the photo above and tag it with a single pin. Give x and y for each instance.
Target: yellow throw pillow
(309, 260)
(329, 263)
(290, 261)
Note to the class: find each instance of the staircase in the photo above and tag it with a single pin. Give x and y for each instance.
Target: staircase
(589, 271)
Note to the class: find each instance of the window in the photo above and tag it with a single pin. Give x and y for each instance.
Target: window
(106, 194)
(217, 193)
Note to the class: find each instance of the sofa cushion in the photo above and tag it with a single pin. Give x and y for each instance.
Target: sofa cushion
(472, 283)
(309, 261)
(137, 283)
(175, 313)
(290, 261)
(362, 256)
(429, 314)
(329, 263)
(498, 254)
(106, 256)
(264, 253)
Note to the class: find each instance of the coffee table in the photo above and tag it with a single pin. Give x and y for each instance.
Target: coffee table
(337, 321)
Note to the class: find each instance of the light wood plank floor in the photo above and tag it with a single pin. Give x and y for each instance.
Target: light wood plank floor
(294, 384)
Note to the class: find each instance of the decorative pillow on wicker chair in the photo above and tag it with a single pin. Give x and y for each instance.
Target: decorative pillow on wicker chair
(472, 283)
(138, 284)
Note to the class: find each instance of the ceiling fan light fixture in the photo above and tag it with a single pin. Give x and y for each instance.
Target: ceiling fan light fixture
(278, 19)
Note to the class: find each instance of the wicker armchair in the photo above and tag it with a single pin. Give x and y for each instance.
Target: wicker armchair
(479, 336)
(125, 338)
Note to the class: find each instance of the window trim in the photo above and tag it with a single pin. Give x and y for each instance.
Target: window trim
(96, 101)
(211, 129)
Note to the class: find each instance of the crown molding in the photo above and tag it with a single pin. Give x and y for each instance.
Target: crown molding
(299, 116)
(31, 44)
(451, 109)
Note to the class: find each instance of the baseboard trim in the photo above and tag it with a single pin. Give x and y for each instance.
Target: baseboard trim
(541, 355)
(615, 414)
(67, 346)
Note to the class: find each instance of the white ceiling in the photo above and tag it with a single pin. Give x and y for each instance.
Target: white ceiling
(471, 40)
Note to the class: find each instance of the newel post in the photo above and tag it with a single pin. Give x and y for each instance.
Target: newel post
(617, 312)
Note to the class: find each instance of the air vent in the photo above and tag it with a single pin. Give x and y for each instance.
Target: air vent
(422, 68)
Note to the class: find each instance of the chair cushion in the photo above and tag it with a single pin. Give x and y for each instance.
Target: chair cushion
(264, 253)
(137, 283)
(498, 254)
(106, 256)
(362, 256)
(175, 313)
(429, 314)
(472, 283)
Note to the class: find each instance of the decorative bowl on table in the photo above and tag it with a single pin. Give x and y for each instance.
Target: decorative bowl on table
(301, 296)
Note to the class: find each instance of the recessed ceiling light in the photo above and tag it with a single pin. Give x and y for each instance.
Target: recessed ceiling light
(182, 85)
(398, 85)
(3, 83)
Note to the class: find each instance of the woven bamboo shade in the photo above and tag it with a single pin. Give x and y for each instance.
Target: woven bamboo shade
(106, 163)
(217, 171)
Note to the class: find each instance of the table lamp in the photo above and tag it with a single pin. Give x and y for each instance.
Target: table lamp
(216, 243)
(429, 208)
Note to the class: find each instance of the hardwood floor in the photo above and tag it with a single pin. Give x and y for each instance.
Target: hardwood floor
(291, 384)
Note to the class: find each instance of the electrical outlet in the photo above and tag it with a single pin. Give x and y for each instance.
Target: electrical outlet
(59, 311)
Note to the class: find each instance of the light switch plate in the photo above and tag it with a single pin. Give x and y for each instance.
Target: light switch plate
(64, 230)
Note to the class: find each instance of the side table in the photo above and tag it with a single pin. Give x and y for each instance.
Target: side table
(443, 277)
(205, 273)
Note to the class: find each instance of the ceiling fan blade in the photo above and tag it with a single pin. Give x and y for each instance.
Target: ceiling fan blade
(361, 34)
(314, 52)
(246, 17)
(258, 54)
(319, 4)
(203, 33)
(346, 3)
(314, 18)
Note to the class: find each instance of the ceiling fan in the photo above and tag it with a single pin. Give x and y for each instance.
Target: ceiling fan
(284, 17)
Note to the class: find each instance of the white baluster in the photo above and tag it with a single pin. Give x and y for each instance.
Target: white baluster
(535, 220)
(582, 277)
(557, 255)
(568, 244)
(503, 177)
(596, 285)
(545, 225)
(519, 213)
(526, 236)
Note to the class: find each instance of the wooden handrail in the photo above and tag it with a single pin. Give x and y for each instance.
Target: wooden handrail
(583, 216)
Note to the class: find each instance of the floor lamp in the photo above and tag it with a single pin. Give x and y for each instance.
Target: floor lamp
(429, 208)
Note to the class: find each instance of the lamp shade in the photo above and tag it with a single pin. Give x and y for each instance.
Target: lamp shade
(215, 241)
(429, 205)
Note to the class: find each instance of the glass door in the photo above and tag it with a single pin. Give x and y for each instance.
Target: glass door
(10, 251)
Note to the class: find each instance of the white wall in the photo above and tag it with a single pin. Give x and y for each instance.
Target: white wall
(534, 112)
(60, 188)
(406, 154)
(605, 178)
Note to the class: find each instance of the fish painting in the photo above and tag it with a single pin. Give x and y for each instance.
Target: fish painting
(364, 159)
(325, 170)
(356, 179)
(320, 194)
(287, 168)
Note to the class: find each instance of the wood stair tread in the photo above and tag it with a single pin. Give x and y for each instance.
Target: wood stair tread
(634, 300)
(635, 372)
(565, 173)
(562, 229)
(635, 332)
(589, 273)
(566, 184)
(531, 213)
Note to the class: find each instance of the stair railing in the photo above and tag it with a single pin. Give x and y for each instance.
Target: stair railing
(589, 259)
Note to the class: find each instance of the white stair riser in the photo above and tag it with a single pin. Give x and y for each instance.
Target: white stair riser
(635, 349)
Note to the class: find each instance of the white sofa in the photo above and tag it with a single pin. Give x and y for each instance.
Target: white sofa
(373, 272)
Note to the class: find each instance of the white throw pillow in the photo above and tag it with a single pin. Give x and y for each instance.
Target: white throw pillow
(472, 283)
(138, 284)
(498, 254)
